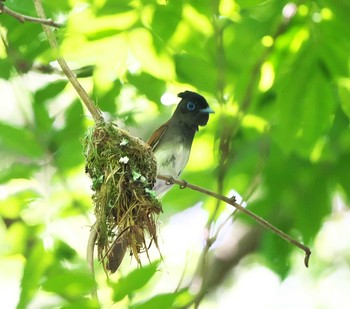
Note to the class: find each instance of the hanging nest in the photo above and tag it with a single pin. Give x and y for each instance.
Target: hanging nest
(123, 171)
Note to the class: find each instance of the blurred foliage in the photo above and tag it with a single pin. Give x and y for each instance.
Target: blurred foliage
(276, 72)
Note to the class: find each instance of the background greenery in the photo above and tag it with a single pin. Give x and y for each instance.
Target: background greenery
(277, 75)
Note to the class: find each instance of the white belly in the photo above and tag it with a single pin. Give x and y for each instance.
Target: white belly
(170, 164)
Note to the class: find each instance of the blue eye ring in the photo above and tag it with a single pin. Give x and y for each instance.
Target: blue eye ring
(191, 106)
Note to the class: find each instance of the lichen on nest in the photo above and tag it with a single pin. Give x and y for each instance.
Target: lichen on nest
(123, 170)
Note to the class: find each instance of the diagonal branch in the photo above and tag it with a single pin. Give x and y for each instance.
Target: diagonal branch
(94, 111)
(232, 201)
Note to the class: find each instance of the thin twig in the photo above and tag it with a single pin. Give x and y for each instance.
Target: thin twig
(25, 18)
(90, 256)
(232, 201)
(94, 111)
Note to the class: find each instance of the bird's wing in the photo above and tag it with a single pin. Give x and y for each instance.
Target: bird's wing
(157, 135)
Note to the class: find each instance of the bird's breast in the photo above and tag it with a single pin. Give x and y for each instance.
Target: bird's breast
(172, 160)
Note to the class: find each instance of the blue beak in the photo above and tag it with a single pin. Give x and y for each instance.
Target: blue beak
(207, 110)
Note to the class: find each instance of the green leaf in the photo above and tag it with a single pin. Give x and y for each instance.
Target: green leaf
(305, 105)
(68, 151)
(166, 18)
(5, 68)
(81, 303)
(22, 6)
(107, 97)
(19, 141)
(244, 4)
(69, 283)
(74, 116)
(316, 114)
(37, 263)
(52, 8)
(202, 77)
(49, 91)
(295, 201)
(147, 84)
(18, 170)
(43, 120)
(342, 171)
(115, 7)
(344, 94)
(63, 251)
(161, 301)
(86, 71)
(69, 154)
(27, 44)
(12, 206)
(134, 281)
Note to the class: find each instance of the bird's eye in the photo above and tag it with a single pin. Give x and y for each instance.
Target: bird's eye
(191, 106)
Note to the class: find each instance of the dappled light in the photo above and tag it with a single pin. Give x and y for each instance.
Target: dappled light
(266, 184)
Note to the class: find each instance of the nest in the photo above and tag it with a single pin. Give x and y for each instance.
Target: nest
(123, 171)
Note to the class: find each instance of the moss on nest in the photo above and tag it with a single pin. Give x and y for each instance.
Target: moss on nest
(123, 171)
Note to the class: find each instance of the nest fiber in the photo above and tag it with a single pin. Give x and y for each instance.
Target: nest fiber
(123, 171)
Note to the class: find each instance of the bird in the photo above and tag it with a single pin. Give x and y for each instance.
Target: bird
(171, 145)
(172, 141)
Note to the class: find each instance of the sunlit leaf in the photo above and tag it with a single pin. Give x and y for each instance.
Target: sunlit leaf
(22, 6)
(43, 120)
(67, 140)
(69, 283)
(344, 93)
(32, 273)
(19, 141)
(161, 301)
(291, 101)
(106, 96)
(13, 204)
(147, 84)
(85, 303)
(158, 64)
(56, 7)
(166, 18)
(50, 91)
(134, 281)
(203, 77)
(115, 7)
(5, 69)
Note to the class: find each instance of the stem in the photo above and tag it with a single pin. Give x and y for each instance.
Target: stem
(94, 111)
(90, 256)
(232, 201)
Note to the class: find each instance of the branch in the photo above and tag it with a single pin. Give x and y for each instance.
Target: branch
(90, 256)
(23, 18)
(94, 111)
(232, 201)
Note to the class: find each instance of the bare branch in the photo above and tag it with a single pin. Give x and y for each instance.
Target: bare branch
(232, 201)
(25, 18)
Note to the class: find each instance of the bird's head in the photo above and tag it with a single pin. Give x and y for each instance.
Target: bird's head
(193, 109)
